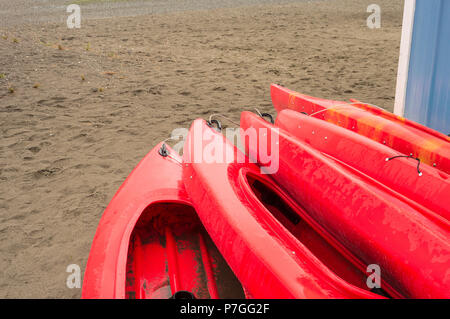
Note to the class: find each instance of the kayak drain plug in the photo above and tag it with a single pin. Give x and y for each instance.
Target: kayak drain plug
(408, 156)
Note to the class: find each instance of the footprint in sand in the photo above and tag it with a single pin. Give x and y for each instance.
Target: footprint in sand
(46, 172)
(34, 149)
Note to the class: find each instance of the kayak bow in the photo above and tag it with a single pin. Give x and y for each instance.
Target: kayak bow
(151, 244)
(271, 245)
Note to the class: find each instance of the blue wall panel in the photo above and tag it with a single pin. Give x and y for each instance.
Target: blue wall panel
(428, 87)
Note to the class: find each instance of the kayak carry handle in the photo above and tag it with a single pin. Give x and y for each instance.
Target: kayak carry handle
(337, 107)
(163, 151)
(407, 156)
(218, 126)
(263, 115)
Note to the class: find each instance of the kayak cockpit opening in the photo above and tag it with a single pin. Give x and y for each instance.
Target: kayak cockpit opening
(171, 255)
(292, 219)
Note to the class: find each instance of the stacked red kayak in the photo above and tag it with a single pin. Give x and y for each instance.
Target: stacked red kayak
(407, 137)
(150, 242)
(327, 193)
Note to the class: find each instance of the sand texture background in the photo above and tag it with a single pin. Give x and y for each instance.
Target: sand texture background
(80, 107)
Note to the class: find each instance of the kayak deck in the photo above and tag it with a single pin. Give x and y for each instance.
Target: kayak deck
(407, 137)
(170, 251)
(266, 237)
(426, 191)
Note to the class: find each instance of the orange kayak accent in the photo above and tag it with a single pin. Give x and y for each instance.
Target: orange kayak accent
(405, 136)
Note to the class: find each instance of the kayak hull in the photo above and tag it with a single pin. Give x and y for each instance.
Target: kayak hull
(375, 226)
(151, 244)
(265, 237)
(399, 119)
(404, 136)
(427, 190)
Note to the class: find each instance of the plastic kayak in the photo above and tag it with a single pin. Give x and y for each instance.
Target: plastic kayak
(424, 187)
(269, 241)
(399, 119)
(376, 226)
(406, 137)
(151, 244)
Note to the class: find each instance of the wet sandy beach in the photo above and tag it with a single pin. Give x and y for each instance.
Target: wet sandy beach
(80, 107)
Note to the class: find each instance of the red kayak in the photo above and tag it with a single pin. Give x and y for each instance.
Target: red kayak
(406, 137)
(150, 242)
(376, 226)
(424, 187)
(398, 119)
(272, 245)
